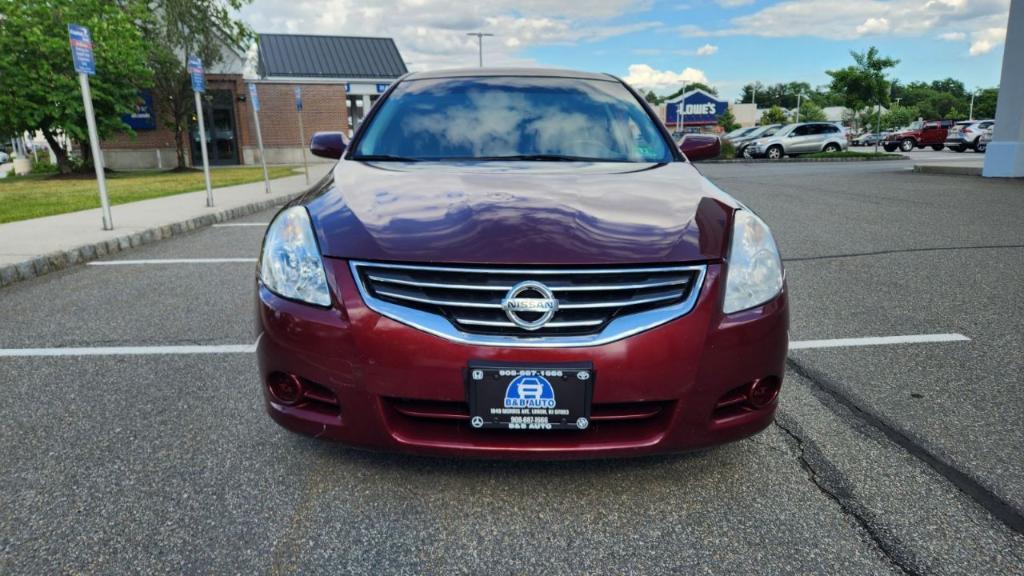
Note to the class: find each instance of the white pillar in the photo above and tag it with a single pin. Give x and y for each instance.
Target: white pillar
(1004, 157)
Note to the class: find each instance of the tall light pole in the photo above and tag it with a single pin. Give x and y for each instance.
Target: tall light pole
(971, 115)
(681, 112)
(799, 96)
(480, 43)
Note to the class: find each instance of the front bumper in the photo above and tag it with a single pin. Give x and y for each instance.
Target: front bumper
(380, 384)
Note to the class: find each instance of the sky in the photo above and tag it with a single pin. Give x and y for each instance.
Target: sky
(659, 44)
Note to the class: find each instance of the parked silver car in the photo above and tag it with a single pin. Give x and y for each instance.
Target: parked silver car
(741, 142)
(802, 138)
(967, 135)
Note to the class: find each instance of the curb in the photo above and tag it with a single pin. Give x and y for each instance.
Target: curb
(942, 169)
(798, 160)
(63, 259)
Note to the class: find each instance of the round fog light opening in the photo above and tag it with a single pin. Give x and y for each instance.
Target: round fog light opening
(763, 392)
(285, 388)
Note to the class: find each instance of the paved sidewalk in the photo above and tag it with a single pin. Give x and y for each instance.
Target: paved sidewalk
(34, 247)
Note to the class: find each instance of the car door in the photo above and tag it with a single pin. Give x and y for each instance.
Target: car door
(797, 141)
(932, 133)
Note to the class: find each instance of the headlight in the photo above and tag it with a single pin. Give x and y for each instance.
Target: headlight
(754, 275)
(290, 265)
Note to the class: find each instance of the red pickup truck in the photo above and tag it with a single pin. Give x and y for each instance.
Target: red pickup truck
(918, 135)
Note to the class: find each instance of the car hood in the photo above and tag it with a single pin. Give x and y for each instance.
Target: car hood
(520, 213)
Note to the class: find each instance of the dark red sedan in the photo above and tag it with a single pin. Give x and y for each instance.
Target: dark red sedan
(519, 263)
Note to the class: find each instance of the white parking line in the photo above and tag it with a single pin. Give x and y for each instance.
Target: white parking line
(170, 261)
(877, 341)
(251, 348)
(241, 224)
(128, 350)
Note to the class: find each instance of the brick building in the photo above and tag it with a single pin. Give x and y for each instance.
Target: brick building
(340, 77)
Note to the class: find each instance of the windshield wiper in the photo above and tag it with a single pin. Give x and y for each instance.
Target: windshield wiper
(383, 158)
(534, 158)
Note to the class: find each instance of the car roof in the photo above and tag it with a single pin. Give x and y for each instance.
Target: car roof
(501, 71)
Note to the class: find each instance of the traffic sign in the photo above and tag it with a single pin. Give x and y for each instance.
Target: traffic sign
(254, 97)
(81, 49)
(195, 70)
(298, 98)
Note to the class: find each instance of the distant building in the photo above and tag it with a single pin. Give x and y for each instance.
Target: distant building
(340, 78)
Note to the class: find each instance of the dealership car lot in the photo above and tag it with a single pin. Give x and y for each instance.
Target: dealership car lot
(896, 458)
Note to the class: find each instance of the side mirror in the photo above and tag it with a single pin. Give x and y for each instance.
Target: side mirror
(700, 146)
(328, 144)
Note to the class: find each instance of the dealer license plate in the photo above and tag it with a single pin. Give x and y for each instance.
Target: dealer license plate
(518, 397)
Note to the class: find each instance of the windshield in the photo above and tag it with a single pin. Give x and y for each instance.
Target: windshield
(916, 125)
(512, 118)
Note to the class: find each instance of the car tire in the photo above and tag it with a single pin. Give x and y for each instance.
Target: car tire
(890, 147)
(980, 147)
(831, 148)
(938, 147)
(907, 144)
(774, 152)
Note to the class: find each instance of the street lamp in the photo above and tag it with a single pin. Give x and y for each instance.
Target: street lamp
(971, 115)
(681, 112)
(480, 43)
(799, 96)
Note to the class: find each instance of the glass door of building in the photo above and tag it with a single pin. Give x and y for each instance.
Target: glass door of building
(221, 133)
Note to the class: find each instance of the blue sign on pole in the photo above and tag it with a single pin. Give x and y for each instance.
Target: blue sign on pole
(298, 98)
(81, 49)
(195, 70)
(254, 97)
(382, 88)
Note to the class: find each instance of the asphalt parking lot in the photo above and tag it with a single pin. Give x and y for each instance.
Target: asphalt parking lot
(898, 458)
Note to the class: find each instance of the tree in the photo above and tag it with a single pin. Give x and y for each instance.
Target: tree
(181, 28)
(985, 103)
(651, 97)
(727, 121)
(39, 88)
(863, 84)
(811, 112)
(899, 116)
(774, 115)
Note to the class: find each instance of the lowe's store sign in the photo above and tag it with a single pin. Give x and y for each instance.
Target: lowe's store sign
(700, 108)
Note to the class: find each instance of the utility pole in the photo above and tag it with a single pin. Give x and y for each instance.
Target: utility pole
(681, 112)
(798, 97)
(480, 43)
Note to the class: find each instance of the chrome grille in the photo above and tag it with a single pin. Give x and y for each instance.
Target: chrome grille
(594, 305)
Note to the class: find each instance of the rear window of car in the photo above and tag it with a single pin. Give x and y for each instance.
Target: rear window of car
(512, 118)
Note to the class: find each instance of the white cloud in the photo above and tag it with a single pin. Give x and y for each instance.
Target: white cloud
(646, 77)
(873, 26)
(850, 19)
(707, 50)
(953, 36)
(432, 33)
(983, 41)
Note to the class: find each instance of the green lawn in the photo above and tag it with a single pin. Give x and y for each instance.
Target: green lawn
(32, 196)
